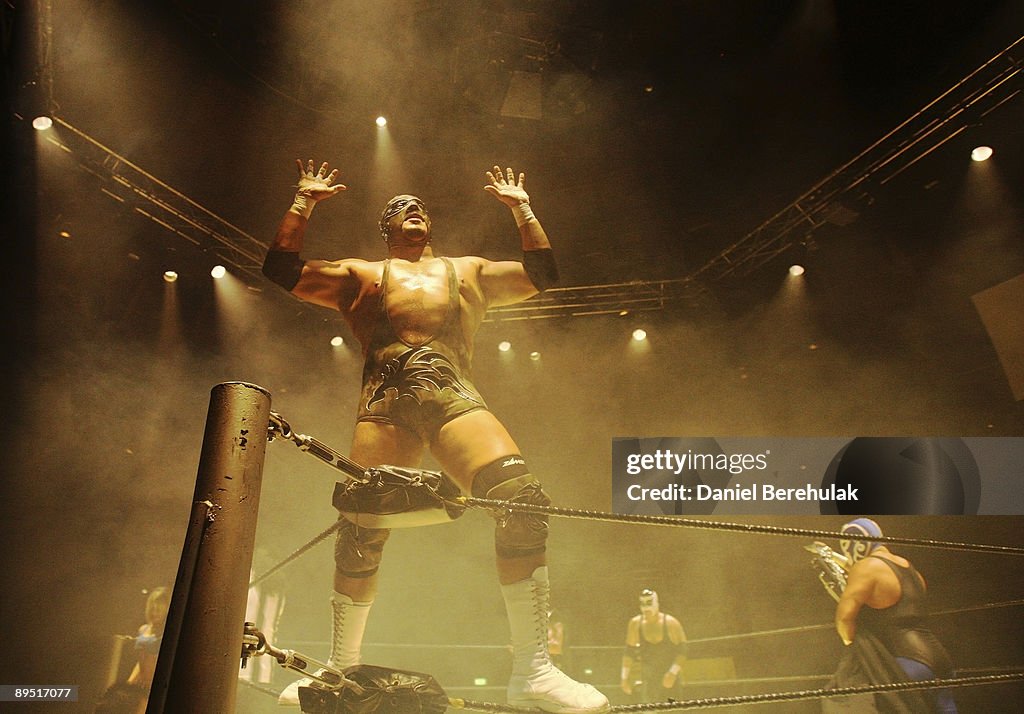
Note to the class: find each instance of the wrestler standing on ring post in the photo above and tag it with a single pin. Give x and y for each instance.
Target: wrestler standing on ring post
(415, 316)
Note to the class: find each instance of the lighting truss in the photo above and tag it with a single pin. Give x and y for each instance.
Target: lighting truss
(990, 86)
(987, 88)
(608, 299)
(150, 197)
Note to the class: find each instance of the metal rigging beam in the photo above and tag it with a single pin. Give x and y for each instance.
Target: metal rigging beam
(127, 183)
(990, 86)
(981, 92)
(984, 90)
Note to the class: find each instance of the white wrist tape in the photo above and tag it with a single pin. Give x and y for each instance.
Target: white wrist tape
(523, 214)
(674, 669)
(303, 205)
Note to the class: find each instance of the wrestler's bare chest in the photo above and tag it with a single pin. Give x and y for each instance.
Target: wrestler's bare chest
(417, 297)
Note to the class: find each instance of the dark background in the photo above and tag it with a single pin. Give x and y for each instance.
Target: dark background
(750, 104)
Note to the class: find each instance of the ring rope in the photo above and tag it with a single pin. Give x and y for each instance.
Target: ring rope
(280, 427)
(830, 626)
(678, 522)
(295, 554)
(739, 700)
(734, 636)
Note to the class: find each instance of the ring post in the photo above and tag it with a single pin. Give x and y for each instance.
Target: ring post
(197, 669)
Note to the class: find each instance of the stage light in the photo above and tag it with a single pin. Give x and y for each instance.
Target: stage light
(337, 341)
(479, 681)
(382, 121)
(218, 272)
(42, 123)
(504, 345)
(170, 276)
(535, 356)
(796, 270)
(981, 153)
(639, 334)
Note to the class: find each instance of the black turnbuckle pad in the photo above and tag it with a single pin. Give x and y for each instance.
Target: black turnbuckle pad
(381, 689)
(399, 497)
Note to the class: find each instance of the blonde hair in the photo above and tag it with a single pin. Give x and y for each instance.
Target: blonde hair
(157, 604)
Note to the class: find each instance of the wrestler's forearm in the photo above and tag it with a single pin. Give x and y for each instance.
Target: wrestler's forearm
(538, 258)
(291, 233)
(530, 230)
(282, 263)
(846, 619)
(533, 236)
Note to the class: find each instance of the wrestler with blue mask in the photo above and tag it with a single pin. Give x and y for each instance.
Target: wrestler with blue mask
(853, 549)
(882, 616)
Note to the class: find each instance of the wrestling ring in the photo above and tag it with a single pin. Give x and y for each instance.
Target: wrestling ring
(206, 637)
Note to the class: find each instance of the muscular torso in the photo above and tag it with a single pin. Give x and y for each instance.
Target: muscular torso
(417, 298)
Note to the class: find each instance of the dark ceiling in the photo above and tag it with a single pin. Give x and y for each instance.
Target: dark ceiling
(662, 131)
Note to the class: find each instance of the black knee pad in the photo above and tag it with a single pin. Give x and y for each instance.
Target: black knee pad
(517, 533)
(357, 551)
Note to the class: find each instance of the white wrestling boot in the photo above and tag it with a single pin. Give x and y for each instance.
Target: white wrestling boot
(535, 681)
(347, 627)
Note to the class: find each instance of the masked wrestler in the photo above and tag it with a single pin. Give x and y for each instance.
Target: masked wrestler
(415, 316)
(655, 652)
(883, 618)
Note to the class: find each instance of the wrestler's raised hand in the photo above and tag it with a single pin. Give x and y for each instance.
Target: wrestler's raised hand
(505, 187)
(316, 183)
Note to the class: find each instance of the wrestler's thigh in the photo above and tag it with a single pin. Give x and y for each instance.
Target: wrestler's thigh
(376, 443)
(468, 443)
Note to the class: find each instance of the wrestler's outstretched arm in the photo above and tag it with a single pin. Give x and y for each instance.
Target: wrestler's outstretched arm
(507, 282)
(316, 281)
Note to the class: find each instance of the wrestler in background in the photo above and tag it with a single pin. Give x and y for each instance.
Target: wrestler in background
(132, 695)
(149, 636)
(655, 652)
(415, 316)
(882, 617)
